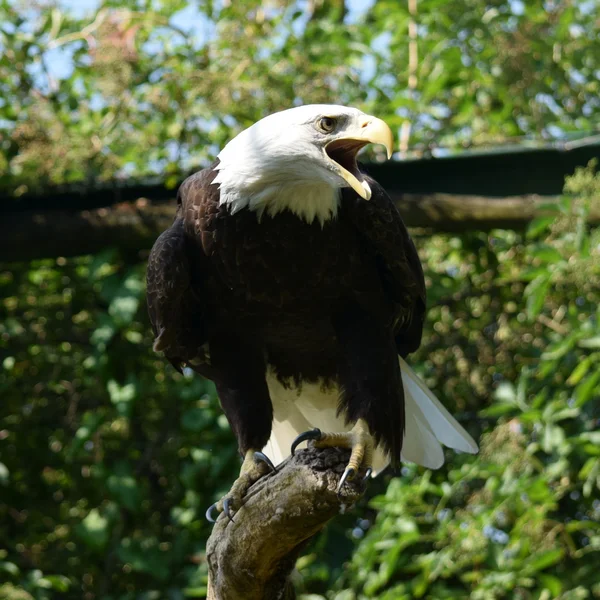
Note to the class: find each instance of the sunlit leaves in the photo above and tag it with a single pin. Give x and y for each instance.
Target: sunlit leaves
(536, 294)
(124, 91)
(94, 530)
(123, 487)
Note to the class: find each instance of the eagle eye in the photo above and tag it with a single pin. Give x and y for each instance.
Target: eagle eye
(327, 124)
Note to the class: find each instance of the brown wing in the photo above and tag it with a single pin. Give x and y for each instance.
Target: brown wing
(174, 282)
(380, 225)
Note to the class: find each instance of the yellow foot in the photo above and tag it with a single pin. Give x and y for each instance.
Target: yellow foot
(255, 465)
(359, 440)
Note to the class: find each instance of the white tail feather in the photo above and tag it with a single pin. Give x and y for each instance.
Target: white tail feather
(444, 426)
(428, 423)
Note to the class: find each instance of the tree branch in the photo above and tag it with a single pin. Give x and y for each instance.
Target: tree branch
(413, 70)
(252, 557)
(129, 226)
(134, 226)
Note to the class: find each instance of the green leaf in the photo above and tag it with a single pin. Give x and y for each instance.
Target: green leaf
(123, 396)
(506, 392)
(94, 530)
(124, 488)
(9, 568)
(539, 226)
(579, 371)
(4, 474)
(590, 464)
(592, 342)
(546, 254)
(587, 389)
(536, 292)
(554, 436)
(60, 583)
(123, 309)
(499, 409)
(199, 592)
(104, 332)
(560, 348)
(542, 561)
(552, 584)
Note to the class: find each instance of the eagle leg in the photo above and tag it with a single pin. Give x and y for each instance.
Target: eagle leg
(358, 439)
(255, 465)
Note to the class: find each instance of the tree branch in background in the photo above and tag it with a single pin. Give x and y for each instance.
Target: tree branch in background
(252, 557)
(413, 67)
(129, 226)
(134, 226)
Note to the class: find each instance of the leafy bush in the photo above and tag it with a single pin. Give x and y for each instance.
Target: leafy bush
(108, 458)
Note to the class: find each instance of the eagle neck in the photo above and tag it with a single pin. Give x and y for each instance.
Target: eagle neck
(308, 200)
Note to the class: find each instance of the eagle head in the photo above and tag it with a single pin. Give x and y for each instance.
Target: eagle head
(299, 159)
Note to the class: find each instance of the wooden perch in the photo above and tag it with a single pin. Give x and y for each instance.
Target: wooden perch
(253, 557)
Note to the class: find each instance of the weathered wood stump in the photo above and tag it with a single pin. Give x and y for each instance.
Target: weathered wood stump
(252, 557)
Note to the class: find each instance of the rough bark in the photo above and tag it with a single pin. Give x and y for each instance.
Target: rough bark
(134, 226)
(252, 558)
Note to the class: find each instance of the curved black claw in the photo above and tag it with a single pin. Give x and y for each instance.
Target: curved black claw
(348, 475)
(227, 508)
(208, 513)
(260, 457)
(368, 474)
(313, 434)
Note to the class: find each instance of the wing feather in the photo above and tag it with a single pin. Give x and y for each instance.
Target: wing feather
(381, 227)
(176, 274)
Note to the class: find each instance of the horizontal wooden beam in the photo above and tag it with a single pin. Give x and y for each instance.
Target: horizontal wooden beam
(457, 213)
(130, 227)
(134, 226)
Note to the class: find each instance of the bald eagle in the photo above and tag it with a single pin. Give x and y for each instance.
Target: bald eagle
(289, 279)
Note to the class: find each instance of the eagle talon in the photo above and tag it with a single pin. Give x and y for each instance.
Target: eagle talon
(209, 511)
(367, 475)
(227, 509)
(261, 457)
(255, 465)
(358, 440)
(313, 434)
(348, 475)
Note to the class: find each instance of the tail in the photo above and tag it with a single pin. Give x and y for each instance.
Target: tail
(428, 423)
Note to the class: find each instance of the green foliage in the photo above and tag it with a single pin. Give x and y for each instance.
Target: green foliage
(158, 87)
(108, 457)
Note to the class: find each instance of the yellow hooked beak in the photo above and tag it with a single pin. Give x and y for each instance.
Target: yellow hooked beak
(343, 150)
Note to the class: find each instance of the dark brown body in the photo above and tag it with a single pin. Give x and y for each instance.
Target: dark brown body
(232, 296)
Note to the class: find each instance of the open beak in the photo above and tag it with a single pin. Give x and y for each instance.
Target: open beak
(343, 150)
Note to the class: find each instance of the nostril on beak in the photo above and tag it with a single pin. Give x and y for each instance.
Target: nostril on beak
(365, 124)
